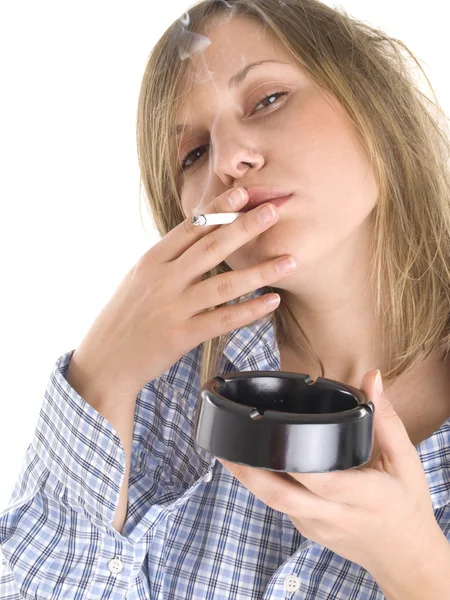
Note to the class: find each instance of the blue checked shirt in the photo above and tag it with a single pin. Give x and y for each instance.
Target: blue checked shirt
(192, 530)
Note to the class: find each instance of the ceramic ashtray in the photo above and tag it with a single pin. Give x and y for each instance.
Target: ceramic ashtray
(284, 421)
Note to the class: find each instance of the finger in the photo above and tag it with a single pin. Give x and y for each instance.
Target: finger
(228, 286)
(211, 250)
(390, 433)
(282, 493)
(231, 201)
(185, 234)
(211, 324)
(353, 486)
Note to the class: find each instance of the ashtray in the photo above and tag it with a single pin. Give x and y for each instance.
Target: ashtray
(284, 421)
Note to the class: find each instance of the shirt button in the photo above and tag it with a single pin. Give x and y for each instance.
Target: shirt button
(208, 476)
(291, 583)
(115, 565)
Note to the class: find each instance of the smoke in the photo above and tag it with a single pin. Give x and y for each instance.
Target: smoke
(190, 42)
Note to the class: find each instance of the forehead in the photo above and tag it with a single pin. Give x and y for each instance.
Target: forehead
(234, 43)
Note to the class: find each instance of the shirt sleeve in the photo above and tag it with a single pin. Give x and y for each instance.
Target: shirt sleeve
(56, 534)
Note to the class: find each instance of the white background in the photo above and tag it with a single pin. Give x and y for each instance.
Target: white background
(70, 226)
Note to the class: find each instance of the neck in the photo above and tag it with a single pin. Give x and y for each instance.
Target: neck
(420, 396)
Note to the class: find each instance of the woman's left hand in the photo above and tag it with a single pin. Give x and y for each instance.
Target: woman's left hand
(379, 515)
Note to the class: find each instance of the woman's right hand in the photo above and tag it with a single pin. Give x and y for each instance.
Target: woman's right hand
(159, 311)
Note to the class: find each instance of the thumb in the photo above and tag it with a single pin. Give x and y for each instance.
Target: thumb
(390, 436)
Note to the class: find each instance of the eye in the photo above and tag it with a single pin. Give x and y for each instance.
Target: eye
(266, 98)
(192, 153)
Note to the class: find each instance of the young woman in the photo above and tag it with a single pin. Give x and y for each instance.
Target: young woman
(115, 500)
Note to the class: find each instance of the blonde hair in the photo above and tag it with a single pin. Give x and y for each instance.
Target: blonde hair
(407, 143)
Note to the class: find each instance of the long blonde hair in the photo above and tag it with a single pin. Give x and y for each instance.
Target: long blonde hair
(406, 138)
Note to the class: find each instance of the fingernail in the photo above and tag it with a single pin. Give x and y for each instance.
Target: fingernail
(267, 213)
(379, 383)
(286, 265)
(236, 197)
(272, 300)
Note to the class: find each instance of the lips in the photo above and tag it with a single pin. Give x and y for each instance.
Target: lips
(259, 195)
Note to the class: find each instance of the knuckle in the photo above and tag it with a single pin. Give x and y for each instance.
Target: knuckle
(225, 288)
(209, 243)
(227, 319)
(268, 272)
(280, 501)
(262, 273)
(389, 413)
(244, 225)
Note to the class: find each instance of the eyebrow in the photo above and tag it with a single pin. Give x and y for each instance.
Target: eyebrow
(234, 82)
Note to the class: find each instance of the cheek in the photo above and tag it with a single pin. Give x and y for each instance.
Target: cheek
(191, 199)
(187, 203)
(330, 164)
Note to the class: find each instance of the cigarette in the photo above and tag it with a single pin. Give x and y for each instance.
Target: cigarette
(215, 218)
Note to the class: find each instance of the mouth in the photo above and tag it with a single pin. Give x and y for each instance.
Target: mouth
(257, 196)
(278, 201)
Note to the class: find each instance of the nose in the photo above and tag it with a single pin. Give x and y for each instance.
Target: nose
(233, 154)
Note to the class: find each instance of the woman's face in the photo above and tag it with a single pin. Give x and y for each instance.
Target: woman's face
(300, 141)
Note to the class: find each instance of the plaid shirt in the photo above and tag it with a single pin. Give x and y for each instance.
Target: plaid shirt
(192, 530)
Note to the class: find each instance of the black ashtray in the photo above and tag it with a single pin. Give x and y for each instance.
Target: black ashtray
(284, 421)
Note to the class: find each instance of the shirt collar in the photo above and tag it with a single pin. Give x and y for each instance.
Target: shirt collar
(255, 348)
(434, 453)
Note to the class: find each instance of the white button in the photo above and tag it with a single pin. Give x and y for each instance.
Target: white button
(115, 565)
(292, 583)
(208, 476)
